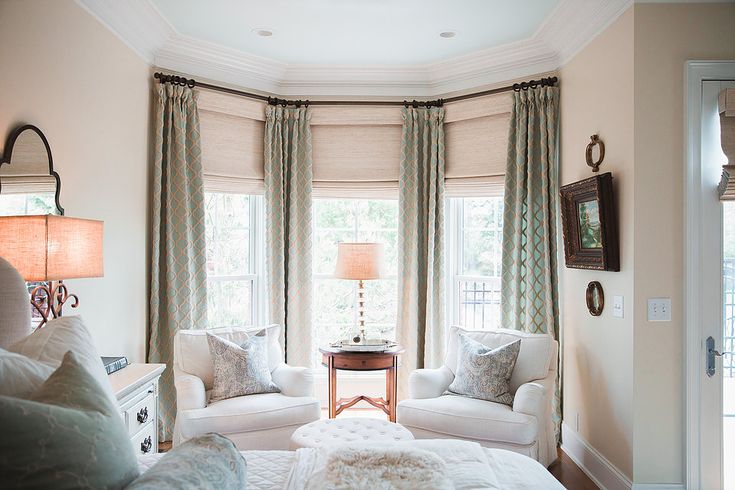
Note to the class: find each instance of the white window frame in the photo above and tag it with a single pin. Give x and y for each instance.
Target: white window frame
(257, 265)
(454, 259)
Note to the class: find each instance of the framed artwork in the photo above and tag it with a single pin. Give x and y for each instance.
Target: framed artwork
(589, 224)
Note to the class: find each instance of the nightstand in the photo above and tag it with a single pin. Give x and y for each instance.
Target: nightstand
(136, 388)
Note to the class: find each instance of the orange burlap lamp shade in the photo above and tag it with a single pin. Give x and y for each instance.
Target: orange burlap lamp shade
(52, 248)
(360, 261)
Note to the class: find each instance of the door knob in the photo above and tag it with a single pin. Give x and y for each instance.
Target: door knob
(712, 353)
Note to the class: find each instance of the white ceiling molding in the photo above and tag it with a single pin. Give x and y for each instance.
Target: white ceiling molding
(571, 25)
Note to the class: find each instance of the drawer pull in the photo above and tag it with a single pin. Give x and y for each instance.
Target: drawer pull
(146, 445)
(143, 415)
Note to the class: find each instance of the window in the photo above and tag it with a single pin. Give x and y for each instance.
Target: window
(22, 204)
(335, 300)
(235, 259)
(474, 261)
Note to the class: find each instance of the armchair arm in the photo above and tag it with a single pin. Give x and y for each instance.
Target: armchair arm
(530, 399)
(190, 392)
(429, 383)
(294, 381)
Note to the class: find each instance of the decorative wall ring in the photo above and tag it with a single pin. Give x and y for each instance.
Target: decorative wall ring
(595, 141)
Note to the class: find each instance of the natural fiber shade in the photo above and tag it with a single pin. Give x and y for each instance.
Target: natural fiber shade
(359, 261)
(52, 248)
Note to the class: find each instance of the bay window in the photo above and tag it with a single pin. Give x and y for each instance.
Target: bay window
(235, 259)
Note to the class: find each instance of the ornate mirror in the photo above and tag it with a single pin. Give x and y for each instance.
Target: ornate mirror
(595, 298)
(28, 182)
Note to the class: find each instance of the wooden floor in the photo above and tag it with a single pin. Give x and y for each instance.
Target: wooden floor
(570, 475)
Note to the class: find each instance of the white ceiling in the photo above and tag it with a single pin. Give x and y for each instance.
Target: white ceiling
(350, 48)
(357, 32)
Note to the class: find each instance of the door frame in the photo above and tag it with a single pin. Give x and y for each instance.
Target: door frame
(695, 72)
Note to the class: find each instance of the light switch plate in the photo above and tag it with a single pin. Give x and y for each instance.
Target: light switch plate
(659, 309)
(618, 310)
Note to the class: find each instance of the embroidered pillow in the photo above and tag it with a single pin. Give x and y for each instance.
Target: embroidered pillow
(207, 462)
(484, 372)
(240, 369)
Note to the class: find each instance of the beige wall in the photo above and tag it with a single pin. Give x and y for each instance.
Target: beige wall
(665, 37)
(597, 98)
(89, 93)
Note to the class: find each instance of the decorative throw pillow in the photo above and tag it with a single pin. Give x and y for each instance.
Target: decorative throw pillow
(240, 369)
(20, 376)
(484, 372)
(50, 344)
(206, 462)
(67, 435)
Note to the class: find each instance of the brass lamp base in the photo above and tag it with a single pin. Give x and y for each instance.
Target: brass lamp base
(49, 299)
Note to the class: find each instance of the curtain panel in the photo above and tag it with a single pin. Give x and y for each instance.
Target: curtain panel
(178, 294)
(420, 243)
(288, 204)
(529, 280)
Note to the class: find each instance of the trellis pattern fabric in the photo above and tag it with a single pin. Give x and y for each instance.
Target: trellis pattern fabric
(484, 372)
(288, 199)
(420, 243)
(178, 298)
(240, 369)
(529, 278)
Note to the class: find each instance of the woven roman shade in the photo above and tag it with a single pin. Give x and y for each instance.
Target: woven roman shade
(356, 149)
(726, 104)
(232, 131)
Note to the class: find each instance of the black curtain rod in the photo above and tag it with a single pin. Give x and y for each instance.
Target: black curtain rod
(516, 87)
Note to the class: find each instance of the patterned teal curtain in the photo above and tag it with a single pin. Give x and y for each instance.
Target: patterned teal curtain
(178, 296)
(421, 241)
(288, 186)
(529, 277)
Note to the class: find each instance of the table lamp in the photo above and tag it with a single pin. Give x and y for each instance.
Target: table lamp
(360, 262)
(50, 248)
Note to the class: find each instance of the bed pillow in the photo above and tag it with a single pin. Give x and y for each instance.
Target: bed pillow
(484, 372)
(66, 435)
(240, 369)
(206, 462)
(61, 335)
(20, 376)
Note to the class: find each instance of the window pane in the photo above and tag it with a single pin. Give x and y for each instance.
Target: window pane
(22, 204)
(335, 301)
(227, 222)
(229, 303)
(481, 236)
(479, 304)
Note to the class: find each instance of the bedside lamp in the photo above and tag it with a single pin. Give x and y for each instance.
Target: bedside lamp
(360, 262)
(50, 248)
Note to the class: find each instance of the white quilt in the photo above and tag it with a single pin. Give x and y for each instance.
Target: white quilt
(486, 468)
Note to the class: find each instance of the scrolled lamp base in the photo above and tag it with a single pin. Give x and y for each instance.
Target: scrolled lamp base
(49, 299)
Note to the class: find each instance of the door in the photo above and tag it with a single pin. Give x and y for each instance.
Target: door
(717, 296)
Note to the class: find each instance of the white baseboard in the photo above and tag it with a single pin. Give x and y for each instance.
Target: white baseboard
(658, 486)
(595, 465)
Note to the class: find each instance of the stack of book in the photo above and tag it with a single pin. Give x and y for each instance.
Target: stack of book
(113, 364)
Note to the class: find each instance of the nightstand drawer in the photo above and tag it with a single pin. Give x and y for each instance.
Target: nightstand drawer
(141, 414)
(145, 442)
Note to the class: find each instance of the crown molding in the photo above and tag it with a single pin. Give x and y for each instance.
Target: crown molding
(570, 26)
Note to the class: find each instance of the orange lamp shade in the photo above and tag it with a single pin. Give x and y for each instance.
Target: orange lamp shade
(359, 261)
(52, 248)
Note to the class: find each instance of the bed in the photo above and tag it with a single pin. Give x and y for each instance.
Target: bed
(506, 470)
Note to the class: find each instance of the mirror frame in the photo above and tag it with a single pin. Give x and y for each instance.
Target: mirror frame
(8, 152)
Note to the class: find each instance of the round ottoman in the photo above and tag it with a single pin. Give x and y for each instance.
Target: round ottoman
(337, 431)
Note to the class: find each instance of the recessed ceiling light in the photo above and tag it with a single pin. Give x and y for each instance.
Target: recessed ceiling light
(447, 34)
(262, 32)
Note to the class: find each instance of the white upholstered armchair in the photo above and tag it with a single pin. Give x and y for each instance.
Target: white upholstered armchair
(262, 421)
(526, 427)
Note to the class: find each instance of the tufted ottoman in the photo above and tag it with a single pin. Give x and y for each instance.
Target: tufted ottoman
(334, 431)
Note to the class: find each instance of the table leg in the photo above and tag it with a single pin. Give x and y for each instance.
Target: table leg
(391, 388)
(332, 388)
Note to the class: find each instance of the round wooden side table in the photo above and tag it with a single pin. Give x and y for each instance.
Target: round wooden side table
(335, 359)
